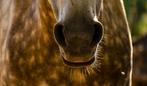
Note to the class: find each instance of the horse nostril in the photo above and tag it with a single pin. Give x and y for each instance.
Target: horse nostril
(98, 33)
(58, 34)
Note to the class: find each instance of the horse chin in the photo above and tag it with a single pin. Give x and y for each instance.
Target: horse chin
(82, 70)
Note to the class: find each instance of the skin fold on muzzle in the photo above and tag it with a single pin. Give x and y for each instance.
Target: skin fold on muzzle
(77, 31)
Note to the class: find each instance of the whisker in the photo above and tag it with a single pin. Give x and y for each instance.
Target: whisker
(70, 73)
(88, 71)
(85, 73)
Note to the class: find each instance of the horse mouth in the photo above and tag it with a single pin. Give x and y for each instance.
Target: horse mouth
(78, 64)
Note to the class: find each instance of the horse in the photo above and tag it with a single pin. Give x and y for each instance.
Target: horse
(64, 43)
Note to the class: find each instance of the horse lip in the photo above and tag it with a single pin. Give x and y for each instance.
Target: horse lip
(78, 64)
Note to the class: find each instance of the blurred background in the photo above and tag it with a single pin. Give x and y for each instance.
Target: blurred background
(137, 17)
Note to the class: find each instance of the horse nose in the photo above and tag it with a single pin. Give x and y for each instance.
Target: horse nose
(87, 36)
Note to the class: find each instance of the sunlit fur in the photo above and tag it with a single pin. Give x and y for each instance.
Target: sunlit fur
(29, 55)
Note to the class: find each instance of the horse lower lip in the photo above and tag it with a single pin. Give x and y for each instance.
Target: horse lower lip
(78, 64)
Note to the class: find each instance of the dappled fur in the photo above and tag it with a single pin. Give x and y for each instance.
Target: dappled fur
(30, 57)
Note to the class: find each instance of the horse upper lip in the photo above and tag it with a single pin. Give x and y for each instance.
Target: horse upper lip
(78, 64)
